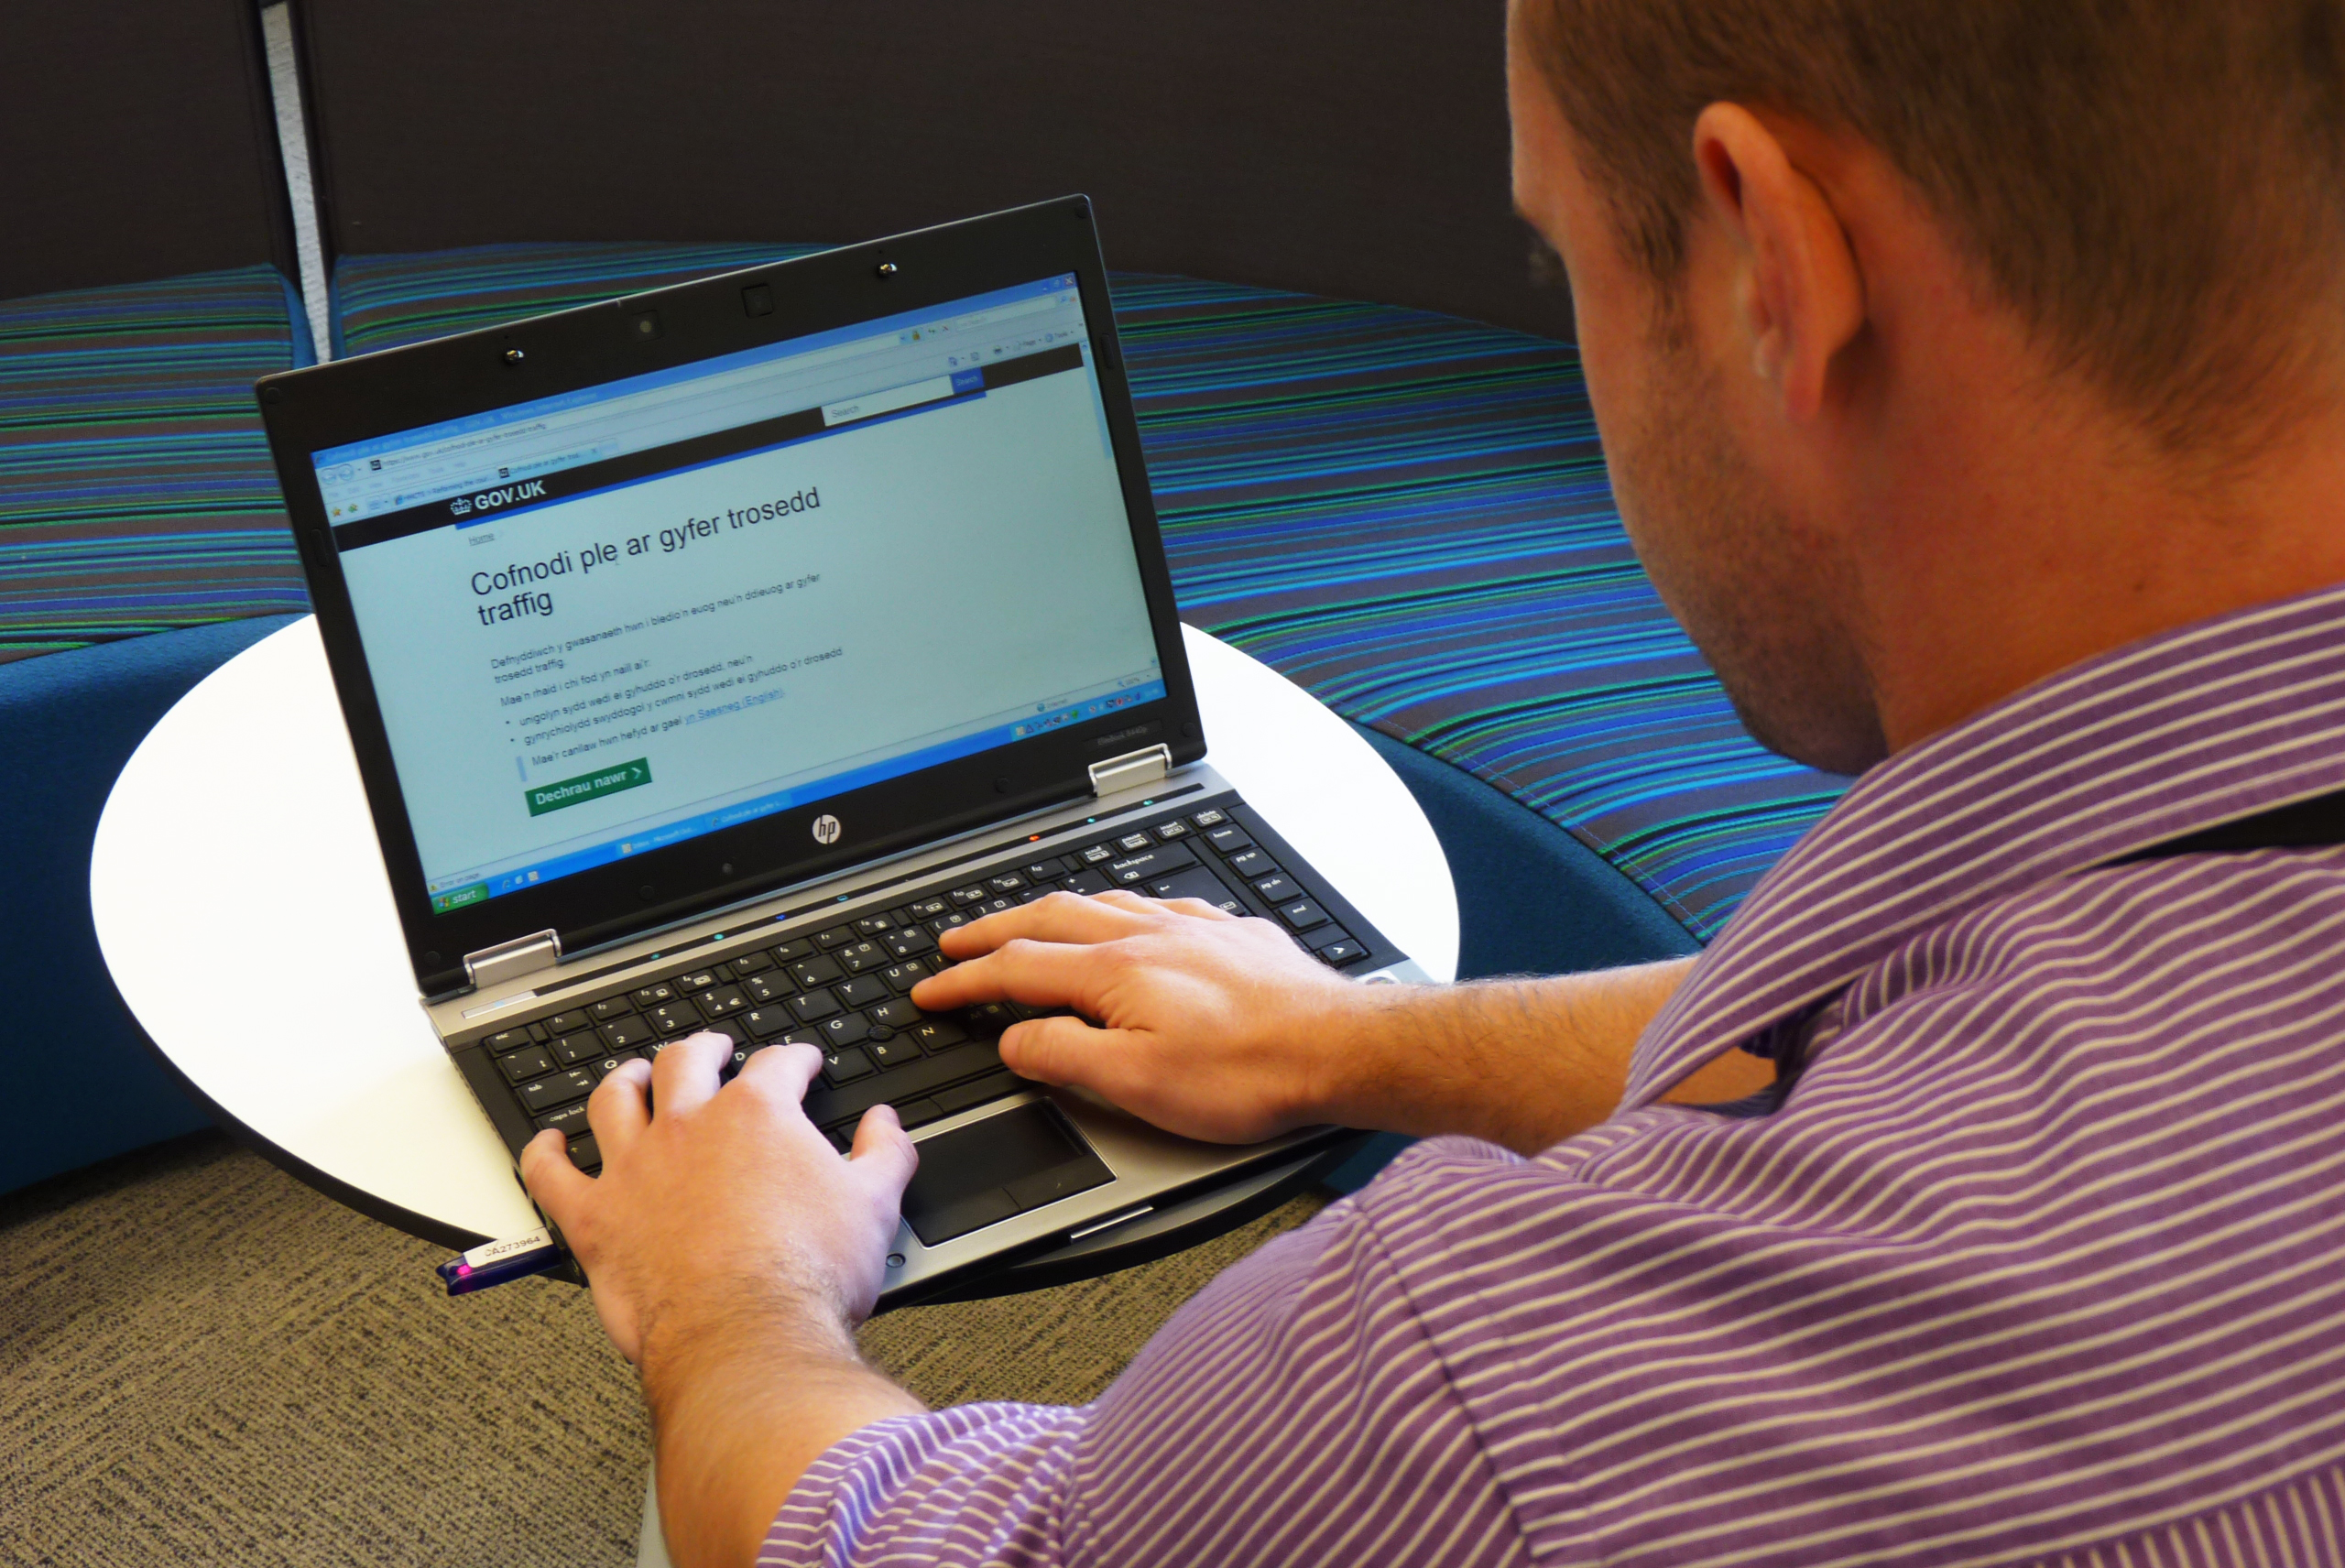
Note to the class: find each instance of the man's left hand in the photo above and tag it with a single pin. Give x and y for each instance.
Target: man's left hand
(720, 1202)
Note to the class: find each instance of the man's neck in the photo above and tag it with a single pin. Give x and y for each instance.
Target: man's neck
(2032, 542)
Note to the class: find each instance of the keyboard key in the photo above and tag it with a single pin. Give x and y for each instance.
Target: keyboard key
(1097, 854)
(827, 1105)
(511, 1040)
(1007, 882)
(586, 1154)
(814, 1006)
(809, 972)
(1032, 895)
(803, 1037)
(567, 1023)
(722, 1002)
(943, 923)
(895, 1013)
(674, 1017)
(964, 897)
(993, 907)
(1167, 831)
(609, 1064)
(846, 1029)
(653, 995)
(901, 977)
(1342, 951)
(560, 1089)
(1253, 865)
(611, 1008)
(698, 980)
(1132, 843)
(533, 1062)
(928, 909)
(1049, 870)
(845, 1066)
(872, 925)
(938, 1034)
(893, 1052)
(918, 1112)
(764, 1023)
(1302, 915)
(1228, 839)
(1210, 819)
(572, 1050)
(909, 942)
(837, 936)
(768, 988)
(752, 963)
(1197, 883)
(862, 991)
(857, 956)
(1135, 869)
(571, 1118)
(1088, 881)
(988, 1017)
(734, 1063)
(1278, 889)
(729, 1029)
(792, 951)
(626, 1034)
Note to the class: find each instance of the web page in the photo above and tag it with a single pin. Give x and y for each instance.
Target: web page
(774, 601)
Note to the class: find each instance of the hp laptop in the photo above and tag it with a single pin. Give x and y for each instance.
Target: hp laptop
(708, 652)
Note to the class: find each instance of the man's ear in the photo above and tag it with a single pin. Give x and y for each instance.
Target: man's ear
(1798, 294)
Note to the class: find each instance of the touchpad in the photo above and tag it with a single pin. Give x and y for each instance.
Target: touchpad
(980, 1174)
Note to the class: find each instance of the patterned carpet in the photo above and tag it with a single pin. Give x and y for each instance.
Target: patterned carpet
(204, 1362)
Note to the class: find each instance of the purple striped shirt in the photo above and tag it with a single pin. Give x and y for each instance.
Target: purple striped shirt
(2041, 1259)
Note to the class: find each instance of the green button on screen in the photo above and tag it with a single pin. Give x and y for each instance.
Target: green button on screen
(544, 798)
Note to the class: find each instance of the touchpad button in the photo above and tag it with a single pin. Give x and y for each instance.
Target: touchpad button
(983, 1174)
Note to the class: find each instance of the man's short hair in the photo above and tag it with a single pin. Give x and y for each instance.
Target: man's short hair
(2156, 187)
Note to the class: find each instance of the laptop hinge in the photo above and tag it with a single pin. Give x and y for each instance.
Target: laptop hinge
(1131, 770)
(511, 960)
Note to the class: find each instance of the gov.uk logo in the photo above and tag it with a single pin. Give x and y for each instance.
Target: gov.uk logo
(460, 505)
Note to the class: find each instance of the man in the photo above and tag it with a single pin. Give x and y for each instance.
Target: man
(1973, 373)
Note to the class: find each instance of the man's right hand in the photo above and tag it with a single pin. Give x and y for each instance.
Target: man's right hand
(1210, 1026)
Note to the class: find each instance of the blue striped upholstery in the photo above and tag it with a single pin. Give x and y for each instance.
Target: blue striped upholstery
(1406, 513)
(135, 489)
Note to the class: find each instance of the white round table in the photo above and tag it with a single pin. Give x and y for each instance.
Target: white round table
(244, 914)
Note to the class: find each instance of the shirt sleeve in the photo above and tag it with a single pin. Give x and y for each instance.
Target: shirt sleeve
(1294, 1412)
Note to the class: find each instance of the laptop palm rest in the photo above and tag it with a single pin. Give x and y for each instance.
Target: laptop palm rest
(977, 1175)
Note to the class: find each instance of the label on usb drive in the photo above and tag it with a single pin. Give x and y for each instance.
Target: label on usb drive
(515, 1246)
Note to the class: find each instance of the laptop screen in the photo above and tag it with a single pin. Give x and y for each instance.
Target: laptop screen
(604, 622)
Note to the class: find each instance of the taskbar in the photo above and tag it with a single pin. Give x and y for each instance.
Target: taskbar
(634, 844)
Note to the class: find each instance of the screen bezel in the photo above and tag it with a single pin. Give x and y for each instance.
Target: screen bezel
(345, 401)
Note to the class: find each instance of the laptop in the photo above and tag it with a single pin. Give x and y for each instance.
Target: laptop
(708, 652)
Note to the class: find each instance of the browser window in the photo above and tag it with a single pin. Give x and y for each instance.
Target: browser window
(604, 622)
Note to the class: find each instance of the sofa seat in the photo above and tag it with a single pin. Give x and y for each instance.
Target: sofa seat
(135, 489)
(1408, 515)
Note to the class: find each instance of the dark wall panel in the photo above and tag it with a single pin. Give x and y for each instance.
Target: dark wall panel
(1349, 146)
(138, 143)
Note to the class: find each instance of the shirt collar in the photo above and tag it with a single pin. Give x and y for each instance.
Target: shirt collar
(2184, 730)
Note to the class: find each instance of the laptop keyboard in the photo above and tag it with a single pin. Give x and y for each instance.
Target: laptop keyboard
(843, 988)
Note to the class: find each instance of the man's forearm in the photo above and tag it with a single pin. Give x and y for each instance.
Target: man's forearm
(741, 1404)
(1524, 1063)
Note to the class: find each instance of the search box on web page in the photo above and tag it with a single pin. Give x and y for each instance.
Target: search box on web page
(888, 402)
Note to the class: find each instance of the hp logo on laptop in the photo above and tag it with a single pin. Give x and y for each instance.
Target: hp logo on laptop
(826, 829)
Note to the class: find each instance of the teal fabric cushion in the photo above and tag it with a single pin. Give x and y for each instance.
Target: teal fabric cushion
(135, 489)
(1408, 514)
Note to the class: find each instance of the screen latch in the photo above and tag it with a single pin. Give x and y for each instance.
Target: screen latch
(1131, 770)
(511, 960)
